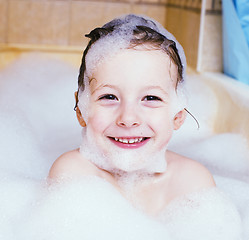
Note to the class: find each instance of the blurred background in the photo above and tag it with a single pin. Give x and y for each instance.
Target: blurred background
(60, 25)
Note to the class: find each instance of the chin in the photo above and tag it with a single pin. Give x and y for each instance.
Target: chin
(111, 158)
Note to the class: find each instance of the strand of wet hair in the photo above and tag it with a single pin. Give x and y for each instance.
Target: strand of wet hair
(198, 125)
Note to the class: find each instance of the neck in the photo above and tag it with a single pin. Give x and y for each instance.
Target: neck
(142, 190)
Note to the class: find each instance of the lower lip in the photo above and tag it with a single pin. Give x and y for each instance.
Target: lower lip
(130, 145)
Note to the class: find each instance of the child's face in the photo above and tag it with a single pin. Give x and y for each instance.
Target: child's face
(131, 106)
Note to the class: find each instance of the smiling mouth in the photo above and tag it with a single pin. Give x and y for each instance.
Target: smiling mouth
(125, 142)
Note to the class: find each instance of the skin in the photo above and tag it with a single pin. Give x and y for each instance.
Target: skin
(132, 96)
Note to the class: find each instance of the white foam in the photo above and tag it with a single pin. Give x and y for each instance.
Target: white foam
(87, 209)
(226, 154)
(245, 223)
(36, 102)
(35, 130)
(211, 214)
(120, 39)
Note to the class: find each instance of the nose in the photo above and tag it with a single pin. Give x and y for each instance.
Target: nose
(128, 117)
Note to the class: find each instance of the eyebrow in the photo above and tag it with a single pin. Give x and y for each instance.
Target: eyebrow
(116, 88)
(105, 86)
(157, 88)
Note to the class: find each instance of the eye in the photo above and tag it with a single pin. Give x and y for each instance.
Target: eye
(152, 98)
(108, 97)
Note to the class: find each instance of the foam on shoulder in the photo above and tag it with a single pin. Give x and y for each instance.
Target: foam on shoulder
(207, 214)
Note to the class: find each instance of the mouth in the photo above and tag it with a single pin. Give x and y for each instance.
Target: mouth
(129, 142)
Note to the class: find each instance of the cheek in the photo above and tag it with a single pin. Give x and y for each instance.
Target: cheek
(99, 119)
(162, 125)
(160, 118)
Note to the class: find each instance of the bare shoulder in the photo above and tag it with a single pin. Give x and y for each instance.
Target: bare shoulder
(191, 175)
(69, 165)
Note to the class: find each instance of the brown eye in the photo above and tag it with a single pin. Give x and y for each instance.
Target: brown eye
(108, 97)
(152, 98)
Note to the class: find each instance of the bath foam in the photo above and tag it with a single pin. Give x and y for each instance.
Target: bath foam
(17, 196)
(241, 198)
(131, 21)
(73, 210)
(246, 223)
(88, 208)
(24, 200)
(210, 212)
(37, 94)
(120, 39)
(224, 154)
(19, 146)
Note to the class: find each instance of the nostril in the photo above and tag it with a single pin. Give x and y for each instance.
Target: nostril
(128, 119)
(127, 124)
(121, 123)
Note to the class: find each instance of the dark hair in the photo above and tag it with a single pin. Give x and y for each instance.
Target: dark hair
(144, 35)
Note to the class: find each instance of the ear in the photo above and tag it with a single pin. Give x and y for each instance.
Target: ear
(78, 112)
(80, 118)
(179, 119)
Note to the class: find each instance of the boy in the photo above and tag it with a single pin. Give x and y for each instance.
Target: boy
(129, 101)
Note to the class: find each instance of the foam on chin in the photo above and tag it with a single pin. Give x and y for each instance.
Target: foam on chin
(123, 160)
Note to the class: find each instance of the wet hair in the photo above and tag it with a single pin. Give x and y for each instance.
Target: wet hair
(144, 35)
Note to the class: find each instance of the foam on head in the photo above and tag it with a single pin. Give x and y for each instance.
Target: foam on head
(120, 38)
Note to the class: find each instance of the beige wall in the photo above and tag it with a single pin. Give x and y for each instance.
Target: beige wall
(65, 22)
(211, 51)
(184, 22)
(202, 41)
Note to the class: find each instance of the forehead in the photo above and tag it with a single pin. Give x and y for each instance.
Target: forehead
(130, 66)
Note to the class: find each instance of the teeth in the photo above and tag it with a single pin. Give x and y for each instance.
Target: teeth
(125, 140)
